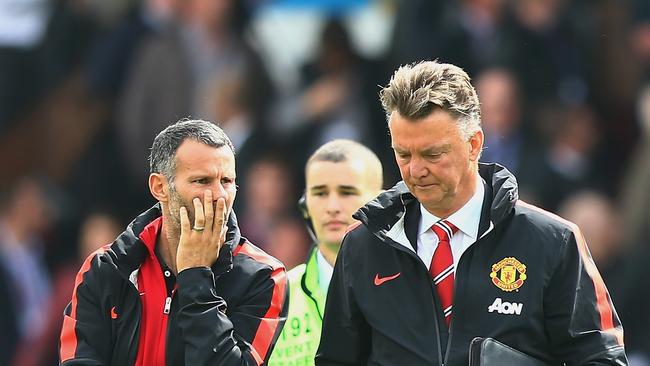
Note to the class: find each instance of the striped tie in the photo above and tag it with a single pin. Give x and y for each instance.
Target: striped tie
(442, 266)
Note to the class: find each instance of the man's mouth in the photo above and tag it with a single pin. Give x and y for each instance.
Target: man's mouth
(424, 186)
(335, 224)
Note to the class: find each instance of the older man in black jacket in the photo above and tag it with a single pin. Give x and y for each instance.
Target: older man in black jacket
(450, 253)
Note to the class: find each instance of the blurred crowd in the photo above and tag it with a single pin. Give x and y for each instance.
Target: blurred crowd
(86, 84)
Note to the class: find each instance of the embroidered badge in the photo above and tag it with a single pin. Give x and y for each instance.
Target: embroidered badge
(509, 274)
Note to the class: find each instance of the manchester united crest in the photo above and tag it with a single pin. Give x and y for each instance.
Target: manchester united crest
(509, 274)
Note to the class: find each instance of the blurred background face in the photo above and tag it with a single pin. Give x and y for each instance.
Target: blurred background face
(499, 102)
(267, 191)
(334, 192)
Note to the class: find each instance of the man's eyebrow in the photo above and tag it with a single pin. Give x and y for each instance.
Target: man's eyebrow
(428, 149)
(316, 188)
(348, 188)
(437, 148)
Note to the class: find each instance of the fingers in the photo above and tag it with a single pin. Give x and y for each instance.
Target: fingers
(208, 210)
(220, 224)
(185, 221)
(199, 217)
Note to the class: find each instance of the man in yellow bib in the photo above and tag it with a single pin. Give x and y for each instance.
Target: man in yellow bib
(341, 176)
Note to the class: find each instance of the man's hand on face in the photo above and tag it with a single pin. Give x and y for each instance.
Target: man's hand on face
(201, 241)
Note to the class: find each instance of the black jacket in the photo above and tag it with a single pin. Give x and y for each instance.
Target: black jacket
(230, 314)
(529, 281)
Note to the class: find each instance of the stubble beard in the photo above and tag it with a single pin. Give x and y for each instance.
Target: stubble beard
(175, 204)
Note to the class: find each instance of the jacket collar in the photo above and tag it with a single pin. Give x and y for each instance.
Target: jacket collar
(128, 251)
(386, 212)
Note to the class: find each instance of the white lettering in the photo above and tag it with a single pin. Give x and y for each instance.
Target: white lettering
(504, 307)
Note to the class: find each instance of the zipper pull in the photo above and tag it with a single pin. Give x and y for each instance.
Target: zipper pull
(168, 305)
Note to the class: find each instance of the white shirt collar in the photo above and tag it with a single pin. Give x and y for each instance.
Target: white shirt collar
(466, 219)
(325, 271)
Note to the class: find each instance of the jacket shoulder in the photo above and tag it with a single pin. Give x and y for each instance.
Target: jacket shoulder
(548, 226)
(541, 218)
(251, 259)
(295, 274)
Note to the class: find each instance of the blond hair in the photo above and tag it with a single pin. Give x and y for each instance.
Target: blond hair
(341, 150)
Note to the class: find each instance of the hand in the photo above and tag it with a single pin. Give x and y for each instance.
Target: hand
(200, 248)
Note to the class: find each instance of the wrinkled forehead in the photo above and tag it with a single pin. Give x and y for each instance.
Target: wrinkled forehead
(196, 156)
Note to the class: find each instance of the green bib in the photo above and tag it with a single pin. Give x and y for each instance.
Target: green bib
(298, 342)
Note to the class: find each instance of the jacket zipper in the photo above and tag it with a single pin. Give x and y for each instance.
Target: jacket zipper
(451, 329)
(435, 310)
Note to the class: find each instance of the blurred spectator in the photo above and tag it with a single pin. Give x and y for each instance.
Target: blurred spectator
(174, 71)
(269, 193)
(600, 224)
(23, 24)
(568, 164)
(337, 99)
(501, 117)
(636, 228)
(641, 35)
(635, 193)
(113, 52)
(604, 230)
(24, 217)
(288, 241)
(472, 34)
(97, 229)
(226, 101)
(9, 336)
(40, 42)
(550, 51)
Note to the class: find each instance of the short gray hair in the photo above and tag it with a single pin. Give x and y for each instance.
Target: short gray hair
(416, 90)
(162, 159)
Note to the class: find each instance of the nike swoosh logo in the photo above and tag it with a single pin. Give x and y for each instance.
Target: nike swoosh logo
(113, 313)
(381, 280)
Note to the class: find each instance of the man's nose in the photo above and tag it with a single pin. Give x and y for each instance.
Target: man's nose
(218, 191)
(417, 167)
(333, 204)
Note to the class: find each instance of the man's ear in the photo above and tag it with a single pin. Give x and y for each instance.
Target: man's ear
(476, 145)
(159, 187)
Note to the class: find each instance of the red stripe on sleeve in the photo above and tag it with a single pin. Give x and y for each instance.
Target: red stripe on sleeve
(264, 335)
(603, 304)
(68, 334)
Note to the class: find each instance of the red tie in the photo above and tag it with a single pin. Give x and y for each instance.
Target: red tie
(442, 266)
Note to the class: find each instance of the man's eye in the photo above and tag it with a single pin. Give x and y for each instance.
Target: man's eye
(318, 194)
(200, 181)
(227, 181)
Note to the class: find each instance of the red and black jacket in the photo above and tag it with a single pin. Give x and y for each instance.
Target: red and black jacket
(229, 314)
(529, 281)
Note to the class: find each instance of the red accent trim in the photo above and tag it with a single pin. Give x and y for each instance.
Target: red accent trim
(602, 297)
(264, 335)
(153, 325)
(352, 226)
(68, 333)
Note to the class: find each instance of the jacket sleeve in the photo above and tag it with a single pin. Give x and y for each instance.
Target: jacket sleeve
(582, 324)
(215, 334)
(345, 338)
(86, 332)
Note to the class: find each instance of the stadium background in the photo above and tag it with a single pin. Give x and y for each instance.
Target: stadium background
(85, 85)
